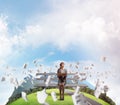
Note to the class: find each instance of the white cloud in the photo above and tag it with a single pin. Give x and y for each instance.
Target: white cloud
(5, 43)
(75, 23)
(5, 46)
(33, 36)
(8, 43)
(3, 25)
(86, 23)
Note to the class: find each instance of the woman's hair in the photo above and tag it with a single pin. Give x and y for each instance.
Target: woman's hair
(61, 63)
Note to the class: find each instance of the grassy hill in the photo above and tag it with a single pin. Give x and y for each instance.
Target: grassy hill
(32, 99)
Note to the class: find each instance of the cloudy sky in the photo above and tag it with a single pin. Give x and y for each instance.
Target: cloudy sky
(54, 30)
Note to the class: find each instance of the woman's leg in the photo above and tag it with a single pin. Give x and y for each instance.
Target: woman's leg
(62, 91)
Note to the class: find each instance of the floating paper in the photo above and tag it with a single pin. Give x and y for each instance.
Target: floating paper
(106, 88)
(103, 58)
(35, 61)
(24, 96)
(41, 97)
(25, 66)
(98, 88)
(3, 79)
(54, 97)
(79, 99)
(48, 81)
(77, 90)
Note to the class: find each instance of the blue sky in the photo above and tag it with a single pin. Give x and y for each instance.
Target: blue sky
(30, 54)
(19, 13)
(24, 9)
(65, 30)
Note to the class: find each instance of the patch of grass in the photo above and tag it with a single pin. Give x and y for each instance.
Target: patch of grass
(32, 99)
(67, 98)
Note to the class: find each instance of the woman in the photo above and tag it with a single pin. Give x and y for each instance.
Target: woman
(61, 74)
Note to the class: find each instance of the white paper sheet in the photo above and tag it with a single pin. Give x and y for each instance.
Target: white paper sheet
(54, 97)
(41, 96)
(24, 96)
(48, 81)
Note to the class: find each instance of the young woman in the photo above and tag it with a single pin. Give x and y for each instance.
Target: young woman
(61, 74)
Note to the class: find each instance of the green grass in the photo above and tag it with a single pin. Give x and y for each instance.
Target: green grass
(32, 99)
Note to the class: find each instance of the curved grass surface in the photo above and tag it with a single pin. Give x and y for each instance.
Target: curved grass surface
(32, 99)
